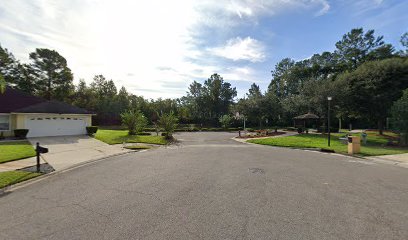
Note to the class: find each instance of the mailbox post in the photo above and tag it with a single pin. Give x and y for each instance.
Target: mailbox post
(39, 150)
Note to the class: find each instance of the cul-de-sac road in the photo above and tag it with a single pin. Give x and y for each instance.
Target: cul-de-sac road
(212, 187)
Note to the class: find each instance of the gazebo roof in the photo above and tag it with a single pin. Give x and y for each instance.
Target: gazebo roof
(307, 116)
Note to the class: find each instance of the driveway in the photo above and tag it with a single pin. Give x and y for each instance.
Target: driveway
(211, 187)
(67, 151)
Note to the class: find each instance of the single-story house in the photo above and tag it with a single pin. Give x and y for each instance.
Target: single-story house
(19, 110)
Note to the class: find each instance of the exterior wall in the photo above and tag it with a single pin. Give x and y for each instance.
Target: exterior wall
(12, 127)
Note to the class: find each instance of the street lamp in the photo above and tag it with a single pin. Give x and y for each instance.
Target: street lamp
(328, 120)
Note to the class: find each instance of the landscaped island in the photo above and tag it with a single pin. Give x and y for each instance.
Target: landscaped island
(376, 144)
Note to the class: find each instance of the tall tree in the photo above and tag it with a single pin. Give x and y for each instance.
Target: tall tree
(2, 84)
(374, 86)
(355, 48)
(55, 79)
(399, 112)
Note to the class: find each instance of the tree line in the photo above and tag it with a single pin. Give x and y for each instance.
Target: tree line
(364, 75)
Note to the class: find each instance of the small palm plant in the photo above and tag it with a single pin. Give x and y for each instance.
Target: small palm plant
(134, 120)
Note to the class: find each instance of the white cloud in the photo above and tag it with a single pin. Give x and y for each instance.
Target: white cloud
(129, 41)
(241, 49)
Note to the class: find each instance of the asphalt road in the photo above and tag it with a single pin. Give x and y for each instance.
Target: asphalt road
(211, 187)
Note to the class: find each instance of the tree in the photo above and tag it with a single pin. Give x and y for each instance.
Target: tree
(355, 47)
(225, 121)
(374, 86)
(134, 120)
(2, 84)
(404, 42)
(168, 121)
(54, 78)
(399, 112)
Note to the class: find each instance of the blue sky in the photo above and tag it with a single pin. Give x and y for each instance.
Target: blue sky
(157, 48)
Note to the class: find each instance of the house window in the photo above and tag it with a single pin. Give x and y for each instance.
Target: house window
(4, 122)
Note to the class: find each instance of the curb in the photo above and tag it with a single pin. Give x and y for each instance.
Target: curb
(324, 151)
(19, 185)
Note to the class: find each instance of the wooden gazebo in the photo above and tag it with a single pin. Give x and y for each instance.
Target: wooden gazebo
(306, 120)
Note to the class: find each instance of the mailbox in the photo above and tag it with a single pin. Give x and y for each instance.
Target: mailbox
(354, 144)
(39, 150)
(42, 149)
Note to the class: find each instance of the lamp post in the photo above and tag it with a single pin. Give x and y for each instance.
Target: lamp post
(328, 120)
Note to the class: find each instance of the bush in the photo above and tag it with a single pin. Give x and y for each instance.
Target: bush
(149, 129)
(225, 121)
(250, 129)
(20, 133)
(134, 120)
(169, 123)
(91, 130)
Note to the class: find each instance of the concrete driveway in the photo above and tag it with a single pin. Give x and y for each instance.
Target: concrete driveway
(67, 151)
(210, 187)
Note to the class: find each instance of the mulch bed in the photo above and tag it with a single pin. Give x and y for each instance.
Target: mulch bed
(258, 135)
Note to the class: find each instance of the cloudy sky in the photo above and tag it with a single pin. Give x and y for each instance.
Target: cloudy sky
(157, 48)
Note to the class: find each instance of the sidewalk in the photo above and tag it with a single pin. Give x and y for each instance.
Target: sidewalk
(400, 159)
(19, 164)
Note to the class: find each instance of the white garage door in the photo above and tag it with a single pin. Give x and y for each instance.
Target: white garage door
(41, 126)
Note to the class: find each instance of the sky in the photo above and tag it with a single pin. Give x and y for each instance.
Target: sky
(157, 48)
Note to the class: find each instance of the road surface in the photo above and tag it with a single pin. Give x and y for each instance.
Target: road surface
(211, 187)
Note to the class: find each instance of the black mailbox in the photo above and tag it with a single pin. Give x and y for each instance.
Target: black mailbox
(39, 150)
(350, 139)
(42, 149)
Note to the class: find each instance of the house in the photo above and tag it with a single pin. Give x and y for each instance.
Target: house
(19, 110)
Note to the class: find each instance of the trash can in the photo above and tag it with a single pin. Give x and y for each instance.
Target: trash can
(354, 144)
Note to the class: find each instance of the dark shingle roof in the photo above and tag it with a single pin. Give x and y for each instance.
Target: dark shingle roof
(52, 107)
(13, 99)
(17, 101)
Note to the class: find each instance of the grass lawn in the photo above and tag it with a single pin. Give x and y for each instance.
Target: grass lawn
(375, 143)
(13, 177)
(15, 150)
(121, 136)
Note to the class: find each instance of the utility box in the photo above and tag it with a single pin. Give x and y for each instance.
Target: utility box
(354, 144)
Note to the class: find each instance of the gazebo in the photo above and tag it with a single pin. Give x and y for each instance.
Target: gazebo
(306, 120)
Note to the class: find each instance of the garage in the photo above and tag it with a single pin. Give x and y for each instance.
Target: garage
(42, 118)
(45, 125)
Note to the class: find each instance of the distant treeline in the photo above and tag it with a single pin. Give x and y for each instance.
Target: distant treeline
(364, 75)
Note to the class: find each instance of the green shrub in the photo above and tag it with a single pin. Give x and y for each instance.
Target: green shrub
(225, 121)
(168, 121)
(134, 120)
(250, 129)
(91, 130)
(204, 129)
(149, 129)
(20, 133)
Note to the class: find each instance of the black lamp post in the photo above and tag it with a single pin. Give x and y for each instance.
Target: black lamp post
(328, 120)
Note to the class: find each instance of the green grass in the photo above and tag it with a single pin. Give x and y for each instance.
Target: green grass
(121, 136)
(15, 150)
(13, 177)
(138, 147)
(375, 143)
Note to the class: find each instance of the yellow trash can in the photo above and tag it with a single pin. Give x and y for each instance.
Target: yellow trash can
(354, 144)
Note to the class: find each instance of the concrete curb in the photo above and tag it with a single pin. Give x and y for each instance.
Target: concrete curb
(17, 186)
(318, 150)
